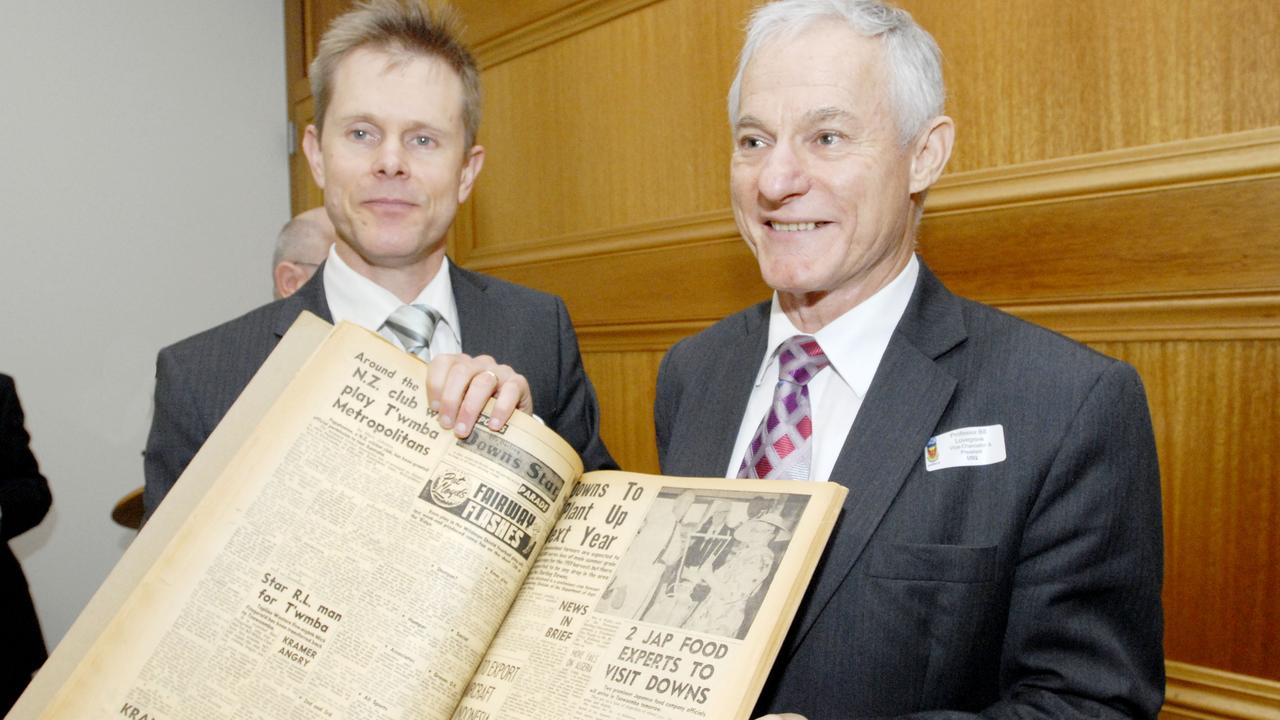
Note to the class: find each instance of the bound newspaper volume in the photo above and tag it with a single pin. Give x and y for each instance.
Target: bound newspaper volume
(332, 552)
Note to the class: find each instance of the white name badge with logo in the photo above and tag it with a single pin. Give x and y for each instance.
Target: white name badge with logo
(965, 447)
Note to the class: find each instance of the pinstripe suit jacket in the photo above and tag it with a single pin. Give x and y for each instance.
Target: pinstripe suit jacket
(1025, 588)
(199, 378)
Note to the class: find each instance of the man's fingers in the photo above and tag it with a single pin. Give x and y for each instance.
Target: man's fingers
(504, 403)
(458, 386)
(437, 373)
(479, 387)
(513, 394)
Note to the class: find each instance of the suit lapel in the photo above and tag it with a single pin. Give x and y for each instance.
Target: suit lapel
(900, 412)
(480, 329)
(724, 399)
(310, 297)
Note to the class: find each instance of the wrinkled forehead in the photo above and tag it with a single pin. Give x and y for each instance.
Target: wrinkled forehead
(826, 63)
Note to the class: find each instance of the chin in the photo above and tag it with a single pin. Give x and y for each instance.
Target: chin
(793, 281)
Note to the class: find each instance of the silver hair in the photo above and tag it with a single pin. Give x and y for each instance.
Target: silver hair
(914, 62)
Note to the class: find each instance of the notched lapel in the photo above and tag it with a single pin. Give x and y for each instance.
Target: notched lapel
(721, 401)
(481, 335)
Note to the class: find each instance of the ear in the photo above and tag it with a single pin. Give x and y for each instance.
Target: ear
(289, 277)
(930, 152)
(315, 158)
(470, 170)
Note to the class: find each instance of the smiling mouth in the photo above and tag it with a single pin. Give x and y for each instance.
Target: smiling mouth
(794, 227)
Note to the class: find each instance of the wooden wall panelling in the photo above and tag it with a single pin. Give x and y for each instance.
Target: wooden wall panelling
(618, 125)
(492, 20)
(1199, 693)
(625, 383)
(694, 284)
(1127, 246)
(1215, 407)
(505, 32)
(1040, 79)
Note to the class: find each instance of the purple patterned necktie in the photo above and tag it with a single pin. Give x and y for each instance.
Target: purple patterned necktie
(781, 447)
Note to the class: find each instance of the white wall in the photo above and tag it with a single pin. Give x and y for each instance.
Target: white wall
(143, 176)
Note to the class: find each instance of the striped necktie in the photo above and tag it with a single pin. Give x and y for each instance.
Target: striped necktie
(781, 447)
(413, 326)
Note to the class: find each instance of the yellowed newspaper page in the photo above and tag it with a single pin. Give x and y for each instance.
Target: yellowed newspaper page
(294, 348)
(353, 559)
(656, 598)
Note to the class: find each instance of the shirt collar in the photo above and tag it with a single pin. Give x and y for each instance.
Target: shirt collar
(855, 341)
(358, 299)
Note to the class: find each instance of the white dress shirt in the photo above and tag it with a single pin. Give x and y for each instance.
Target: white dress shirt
(358, 299)
(854, 344)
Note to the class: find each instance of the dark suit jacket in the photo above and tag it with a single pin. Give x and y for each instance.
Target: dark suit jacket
(24, 501)
(1027, 588)
(199, 378)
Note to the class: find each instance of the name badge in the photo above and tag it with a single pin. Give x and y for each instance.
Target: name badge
(965, 447)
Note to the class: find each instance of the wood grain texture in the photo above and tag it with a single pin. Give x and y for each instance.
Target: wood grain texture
(488, 20)
(625, 384)
(1234, 157)
(1216, 412)
(1183, 240)
(1039, 79)
(694, 282)
(568, 20)
(619, 125)
(295, 44)
(1197, 692)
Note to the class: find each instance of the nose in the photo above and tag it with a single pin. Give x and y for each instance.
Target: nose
(782, 174)
(389, 160)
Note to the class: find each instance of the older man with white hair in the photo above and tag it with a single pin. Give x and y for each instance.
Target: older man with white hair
(1000, 551)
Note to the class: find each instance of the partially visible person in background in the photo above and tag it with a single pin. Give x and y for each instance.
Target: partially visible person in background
(303, 243)
(24, 501)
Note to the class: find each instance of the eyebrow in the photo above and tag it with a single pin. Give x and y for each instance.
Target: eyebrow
(748, 121)
(816, 116)
(827, 113)
(413, 126)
